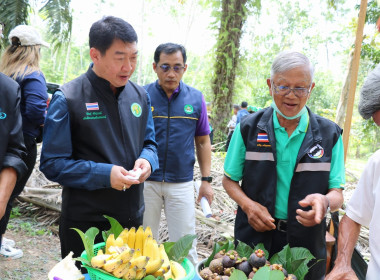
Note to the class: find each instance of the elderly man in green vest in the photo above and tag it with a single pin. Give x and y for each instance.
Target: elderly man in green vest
(291, 164)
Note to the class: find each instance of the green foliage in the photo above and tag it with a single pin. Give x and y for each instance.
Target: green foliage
(181, 248)
(229, 245)
(15, 212)
(116, 228)
(88, 239)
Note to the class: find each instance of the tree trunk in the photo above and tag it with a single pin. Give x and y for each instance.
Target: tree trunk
(342, 105)
(234, 14)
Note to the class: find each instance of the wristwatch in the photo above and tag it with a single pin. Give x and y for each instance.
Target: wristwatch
(207, 179)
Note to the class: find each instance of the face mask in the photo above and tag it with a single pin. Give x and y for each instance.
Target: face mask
(300, 113)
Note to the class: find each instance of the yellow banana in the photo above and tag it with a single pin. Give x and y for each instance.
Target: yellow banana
(119, 242)
(140, 273)
(139, 238)
(177, 270)
(110, 242)
(121, 270)
(155, 250)
(131, 273)
(153, 265)
(147, 232)
(148, 249)
(159, 272)
(131, 237)
(112, 264)
(164, 256)
(140, 261)
(124, 235)
(168, 275)
(100, 260)
(126, 255)
(137, 253)
(100, 252)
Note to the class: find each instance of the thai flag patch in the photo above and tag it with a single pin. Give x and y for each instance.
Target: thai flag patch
(92, 106)
(262, 138)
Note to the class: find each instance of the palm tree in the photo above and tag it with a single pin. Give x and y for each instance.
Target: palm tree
(56, 13)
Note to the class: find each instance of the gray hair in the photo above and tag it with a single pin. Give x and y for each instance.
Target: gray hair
(288, 60)
(369, 101)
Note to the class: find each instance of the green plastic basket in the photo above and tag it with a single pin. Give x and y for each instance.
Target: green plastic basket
(98, 275)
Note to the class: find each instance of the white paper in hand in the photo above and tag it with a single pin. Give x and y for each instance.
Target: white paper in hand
(204, 202)
(135, 174)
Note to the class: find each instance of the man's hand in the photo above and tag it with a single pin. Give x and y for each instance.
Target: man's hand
(119, 181)
(205, 190)
(318, 203)
(259, 217)
(145, 167)
(342, 273)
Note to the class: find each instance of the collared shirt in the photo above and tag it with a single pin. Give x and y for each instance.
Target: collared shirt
(286, 151)
(59, 120)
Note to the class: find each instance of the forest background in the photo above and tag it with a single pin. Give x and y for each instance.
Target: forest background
(324, 30)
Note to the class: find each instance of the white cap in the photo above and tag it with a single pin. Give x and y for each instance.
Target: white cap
(27, 35)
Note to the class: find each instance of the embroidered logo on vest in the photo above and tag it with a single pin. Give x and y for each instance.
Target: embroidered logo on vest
(2, 115)
(136, 109)
(188, 109)
(316, 152)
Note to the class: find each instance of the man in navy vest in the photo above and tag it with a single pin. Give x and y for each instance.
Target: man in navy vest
(98, 128)
(291, 163)
(180, 118)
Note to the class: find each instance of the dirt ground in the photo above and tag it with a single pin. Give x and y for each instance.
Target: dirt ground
(40, 247)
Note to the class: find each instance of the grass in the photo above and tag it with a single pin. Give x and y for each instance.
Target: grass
(356, 167)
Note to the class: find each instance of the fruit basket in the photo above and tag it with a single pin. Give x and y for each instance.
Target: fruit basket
(98, 275)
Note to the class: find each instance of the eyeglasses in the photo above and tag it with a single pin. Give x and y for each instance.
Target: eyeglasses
(298, 91)
(165, 68)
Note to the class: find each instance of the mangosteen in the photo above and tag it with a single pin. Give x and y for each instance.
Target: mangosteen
(225, 277)
(257, 259)
(228, 271)
(228, 260)
(279, 267)
(220, 254)
(291, 277)
(216, 266)
(205, 273)
(245, 267)
(233, 252)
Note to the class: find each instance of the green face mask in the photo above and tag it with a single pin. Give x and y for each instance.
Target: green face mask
(300, 113)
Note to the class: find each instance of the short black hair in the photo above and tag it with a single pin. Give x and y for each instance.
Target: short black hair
(244, 104)
(106, 30)
(169, 48)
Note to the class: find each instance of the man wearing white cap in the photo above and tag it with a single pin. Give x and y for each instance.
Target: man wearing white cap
(20, 61)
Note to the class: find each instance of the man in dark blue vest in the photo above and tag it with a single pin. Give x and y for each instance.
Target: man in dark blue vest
(180, 119)
(291, 163)
(98, 128)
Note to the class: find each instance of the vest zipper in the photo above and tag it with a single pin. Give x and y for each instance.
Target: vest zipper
(167, 143)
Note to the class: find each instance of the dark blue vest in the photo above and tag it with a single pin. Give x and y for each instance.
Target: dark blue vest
(175, 123)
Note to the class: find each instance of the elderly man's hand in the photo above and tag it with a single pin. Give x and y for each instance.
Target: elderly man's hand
(342, 273)
(259, 217)
(318, 203)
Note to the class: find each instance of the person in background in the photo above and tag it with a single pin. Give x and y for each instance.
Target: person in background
(291, 163)
(20, 61)
(364, 204)
(242, 112)
(231, 125)
(211, 129)
(98, 128)
(180, 118)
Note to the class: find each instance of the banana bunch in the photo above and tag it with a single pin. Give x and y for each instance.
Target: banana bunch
(135, 254)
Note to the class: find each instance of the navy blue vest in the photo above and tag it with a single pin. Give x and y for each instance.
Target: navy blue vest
(311, 175)
(175, 123)
(105, 129)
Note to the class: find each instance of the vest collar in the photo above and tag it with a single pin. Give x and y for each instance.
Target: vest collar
(101, 84)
